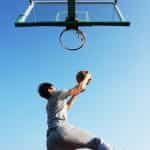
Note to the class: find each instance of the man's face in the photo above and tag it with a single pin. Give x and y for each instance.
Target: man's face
(52, 89)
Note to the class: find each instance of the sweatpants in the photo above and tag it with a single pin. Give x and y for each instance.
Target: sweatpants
(68, 137)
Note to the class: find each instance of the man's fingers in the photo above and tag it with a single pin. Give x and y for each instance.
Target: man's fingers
(89, 81)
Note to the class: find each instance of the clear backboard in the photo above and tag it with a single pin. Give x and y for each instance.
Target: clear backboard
(72, 12)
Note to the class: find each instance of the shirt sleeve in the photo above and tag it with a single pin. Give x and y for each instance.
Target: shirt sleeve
(64, 94)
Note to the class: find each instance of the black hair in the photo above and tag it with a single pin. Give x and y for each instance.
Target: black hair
(43, 89)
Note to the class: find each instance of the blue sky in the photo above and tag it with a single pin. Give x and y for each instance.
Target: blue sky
(116, 103)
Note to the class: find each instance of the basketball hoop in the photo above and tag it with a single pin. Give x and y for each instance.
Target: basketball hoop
(80, 37)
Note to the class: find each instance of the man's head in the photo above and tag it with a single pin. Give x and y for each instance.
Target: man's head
(46, 90)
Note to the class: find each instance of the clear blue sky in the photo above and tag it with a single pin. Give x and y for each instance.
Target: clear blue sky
(115, 105)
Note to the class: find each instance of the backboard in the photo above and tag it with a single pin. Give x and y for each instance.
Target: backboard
(72, 13)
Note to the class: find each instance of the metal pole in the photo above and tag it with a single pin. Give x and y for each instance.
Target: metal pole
(71, 10)
(61, 23)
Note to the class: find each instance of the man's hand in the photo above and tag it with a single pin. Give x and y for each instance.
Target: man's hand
(89, 76)
(83, 79)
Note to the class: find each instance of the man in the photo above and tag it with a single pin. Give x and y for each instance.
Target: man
(61, 135)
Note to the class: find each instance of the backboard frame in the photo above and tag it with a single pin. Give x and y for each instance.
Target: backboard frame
(71, 23)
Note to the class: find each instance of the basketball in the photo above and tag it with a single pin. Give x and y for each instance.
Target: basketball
(81, 75)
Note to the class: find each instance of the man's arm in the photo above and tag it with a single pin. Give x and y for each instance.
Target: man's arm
(81, 86)
(71, 101)
(77, 90)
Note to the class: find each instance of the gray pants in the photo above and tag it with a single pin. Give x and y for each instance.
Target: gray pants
(68, 137)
